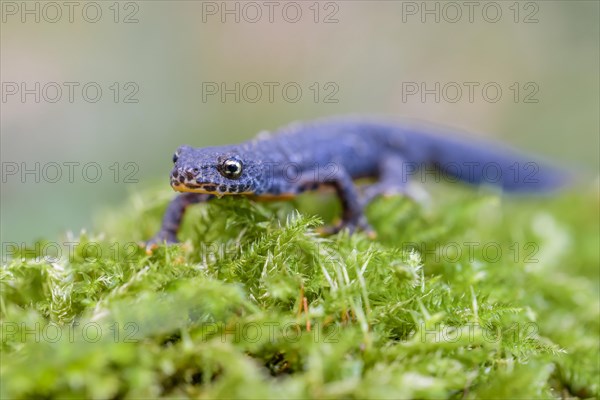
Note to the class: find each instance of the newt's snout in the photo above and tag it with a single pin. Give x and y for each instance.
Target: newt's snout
(185, 177)
(193, 180)
(188, 174)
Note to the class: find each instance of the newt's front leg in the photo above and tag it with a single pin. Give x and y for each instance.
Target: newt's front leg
(353, 216)
(173, 216)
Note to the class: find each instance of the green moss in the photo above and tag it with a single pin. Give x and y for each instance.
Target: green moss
(474, 297)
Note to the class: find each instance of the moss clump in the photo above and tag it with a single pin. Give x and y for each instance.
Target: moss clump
(478, 297)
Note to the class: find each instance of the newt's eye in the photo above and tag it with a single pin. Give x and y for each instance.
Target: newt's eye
(231, 168)
(175, 157)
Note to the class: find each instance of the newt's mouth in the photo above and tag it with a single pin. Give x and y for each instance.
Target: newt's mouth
(206, 188)
(195, 188)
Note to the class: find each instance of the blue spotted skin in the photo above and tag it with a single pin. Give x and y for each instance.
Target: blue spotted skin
(334, 152)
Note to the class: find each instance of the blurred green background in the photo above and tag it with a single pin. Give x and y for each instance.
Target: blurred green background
(367, 56)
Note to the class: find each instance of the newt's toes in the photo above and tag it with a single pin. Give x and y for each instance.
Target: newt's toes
(371, 234)
(157, 240)
(149, 247)
(369, 231)
(350, 226)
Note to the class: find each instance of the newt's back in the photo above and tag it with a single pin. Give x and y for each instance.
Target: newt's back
(360, 145)
(355, 146)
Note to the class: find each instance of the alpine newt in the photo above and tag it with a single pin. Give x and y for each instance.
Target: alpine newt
(335, 152)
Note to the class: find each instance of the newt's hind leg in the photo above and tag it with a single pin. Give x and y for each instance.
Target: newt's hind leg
(172, 218)
(394, 173)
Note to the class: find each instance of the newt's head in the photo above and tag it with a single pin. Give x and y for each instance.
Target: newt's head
(217, 170)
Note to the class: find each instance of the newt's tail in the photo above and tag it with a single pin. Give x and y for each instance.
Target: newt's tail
(481, 162)
(510, 170)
